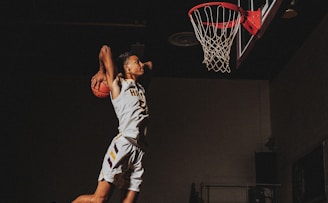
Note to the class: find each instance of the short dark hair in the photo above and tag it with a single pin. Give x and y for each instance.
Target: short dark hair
(122, 58)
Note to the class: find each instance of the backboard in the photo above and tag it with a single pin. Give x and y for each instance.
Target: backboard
(218, 24)
(244, 40)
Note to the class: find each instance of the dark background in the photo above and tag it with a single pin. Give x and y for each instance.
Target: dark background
(72, 32)
(45, 56)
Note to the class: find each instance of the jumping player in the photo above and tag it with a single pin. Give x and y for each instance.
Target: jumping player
(123, 163)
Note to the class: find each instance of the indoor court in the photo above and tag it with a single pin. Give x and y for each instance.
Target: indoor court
(252, 128)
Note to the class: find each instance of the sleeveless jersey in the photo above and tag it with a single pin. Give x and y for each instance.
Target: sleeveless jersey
(132, 111)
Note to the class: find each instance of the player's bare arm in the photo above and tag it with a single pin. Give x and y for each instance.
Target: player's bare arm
(105, 57)
(107, 71)
(101, 74)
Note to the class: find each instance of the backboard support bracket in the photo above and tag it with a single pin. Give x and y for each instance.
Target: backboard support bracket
(253, 21)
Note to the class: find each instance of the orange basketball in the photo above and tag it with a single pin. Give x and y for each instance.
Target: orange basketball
(103, 90)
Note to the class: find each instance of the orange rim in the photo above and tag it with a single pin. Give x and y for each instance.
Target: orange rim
(224, 5)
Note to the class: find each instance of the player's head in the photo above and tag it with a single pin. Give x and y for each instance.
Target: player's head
(130, 64)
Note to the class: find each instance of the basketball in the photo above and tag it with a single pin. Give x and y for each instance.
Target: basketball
(103, 90)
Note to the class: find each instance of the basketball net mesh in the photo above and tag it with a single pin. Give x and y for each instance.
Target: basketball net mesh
(215, 28)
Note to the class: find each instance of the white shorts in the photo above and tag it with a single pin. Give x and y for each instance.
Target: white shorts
(122, 164)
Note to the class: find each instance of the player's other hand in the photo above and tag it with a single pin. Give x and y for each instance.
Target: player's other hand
(149, 65)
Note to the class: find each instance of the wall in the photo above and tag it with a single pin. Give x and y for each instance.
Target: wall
(299, 105)
(56, 133)
(204, 131)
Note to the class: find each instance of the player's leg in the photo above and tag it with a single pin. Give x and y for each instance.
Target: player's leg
(101, 195)
(135, 176)
(129, 196)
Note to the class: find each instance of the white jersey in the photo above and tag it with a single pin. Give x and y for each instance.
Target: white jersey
(132, 111)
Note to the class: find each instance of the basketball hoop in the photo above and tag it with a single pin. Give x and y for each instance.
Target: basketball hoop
(216, 25)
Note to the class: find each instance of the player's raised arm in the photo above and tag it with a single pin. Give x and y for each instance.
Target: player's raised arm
(107, 69)
(107, 65)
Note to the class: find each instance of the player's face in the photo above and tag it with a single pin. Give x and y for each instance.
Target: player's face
(135, 66)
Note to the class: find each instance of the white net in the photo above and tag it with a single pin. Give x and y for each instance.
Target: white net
(215, 28)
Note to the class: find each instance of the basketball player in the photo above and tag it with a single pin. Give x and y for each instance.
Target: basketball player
(122, 165)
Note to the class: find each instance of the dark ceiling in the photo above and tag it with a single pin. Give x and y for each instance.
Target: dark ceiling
(64, 36)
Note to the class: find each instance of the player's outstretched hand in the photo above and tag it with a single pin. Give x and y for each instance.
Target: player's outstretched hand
(149, 65)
